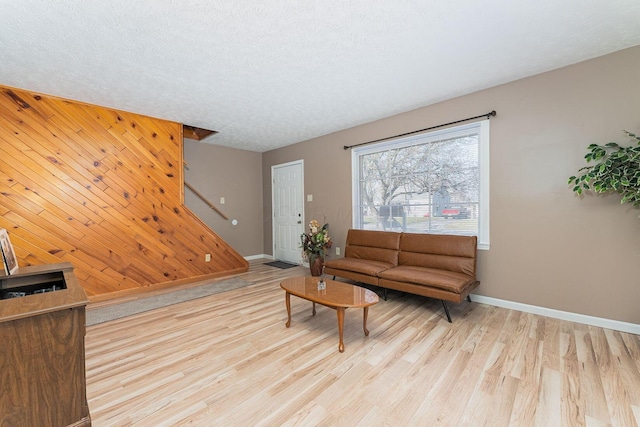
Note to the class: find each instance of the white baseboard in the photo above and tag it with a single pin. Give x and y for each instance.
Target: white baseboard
(261, 256)
(616, 325)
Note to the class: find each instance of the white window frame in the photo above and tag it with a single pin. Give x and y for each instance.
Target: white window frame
(483, 159)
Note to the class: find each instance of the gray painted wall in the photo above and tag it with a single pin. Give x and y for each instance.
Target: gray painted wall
(549, 248)
(236, 175)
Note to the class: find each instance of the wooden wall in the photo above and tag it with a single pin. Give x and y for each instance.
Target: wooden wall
(102, 189)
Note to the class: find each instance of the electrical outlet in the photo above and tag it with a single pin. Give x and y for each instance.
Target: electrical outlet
(207, 257)
(222, 200)
(337, 250)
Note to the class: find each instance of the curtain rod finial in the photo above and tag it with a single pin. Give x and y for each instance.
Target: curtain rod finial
(492, 114)
(346, 147)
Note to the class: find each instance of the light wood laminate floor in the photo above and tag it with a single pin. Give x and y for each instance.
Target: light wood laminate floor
(228, 360)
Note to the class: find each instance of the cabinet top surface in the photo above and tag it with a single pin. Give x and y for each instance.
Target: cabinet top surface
(31, 305)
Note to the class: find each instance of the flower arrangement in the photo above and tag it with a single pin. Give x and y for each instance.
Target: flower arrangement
(315, 241)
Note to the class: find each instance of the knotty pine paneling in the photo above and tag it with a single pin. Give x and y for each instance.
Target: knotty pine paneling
(101, 189)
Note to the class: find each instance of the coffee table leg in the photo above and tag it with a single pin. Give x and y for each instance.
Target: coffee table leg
(287, 300)
(340, 311)
(364, 321)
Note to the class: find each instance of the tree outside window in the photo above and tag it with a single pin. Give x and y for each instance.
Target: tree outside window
(425, 184)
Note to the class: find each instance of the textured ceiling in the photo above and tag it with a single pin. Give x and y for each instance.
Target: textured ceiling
(270, 73)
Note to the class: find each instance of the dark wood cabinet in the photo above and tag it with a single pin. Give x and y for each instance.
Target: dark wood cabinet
(42, 365)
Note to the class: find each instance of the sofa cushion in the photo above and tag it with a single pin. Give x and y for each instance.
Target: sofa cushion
(363, 266)
(443, 279)
(441, 252)
(381, 246)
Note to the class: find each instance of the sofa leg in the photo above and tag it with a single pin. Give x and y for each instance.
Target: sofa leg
(384, 293)
(469, 298)
(446, 310)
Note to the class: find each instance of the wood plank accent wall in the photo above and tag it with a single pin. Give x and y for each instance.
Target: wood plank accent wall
(102, 189)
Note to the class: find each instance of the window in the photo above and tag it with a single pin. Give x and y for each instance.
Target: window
(436, 182)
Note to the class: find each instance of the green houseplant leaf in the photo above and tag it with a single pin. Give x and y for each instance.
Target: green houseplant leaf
(617, 170)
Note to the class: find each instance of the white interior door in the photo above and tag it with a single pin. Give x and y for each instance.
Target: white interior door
(288, 210)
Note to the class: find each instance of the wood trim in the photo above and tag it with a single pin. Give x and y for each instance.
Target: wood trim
(162, 286)
(193, 132)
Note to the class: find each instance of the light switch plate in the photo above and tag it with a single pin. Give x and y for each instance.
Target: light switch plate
(309, 197)
(222, 200)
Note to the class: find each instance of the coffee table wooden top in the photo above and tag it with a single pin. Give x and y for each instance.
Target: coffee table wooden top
(336, 294)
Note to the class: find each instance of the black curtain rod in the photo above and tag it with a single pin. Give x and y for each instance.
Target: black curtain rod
(487, 115)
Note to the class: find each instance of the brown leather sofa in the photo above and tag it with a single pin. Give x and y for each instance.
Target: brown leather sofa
(431, 265)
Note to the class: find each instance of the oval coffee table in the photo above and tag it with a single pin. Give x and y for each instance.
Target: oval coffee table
(336, 295)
